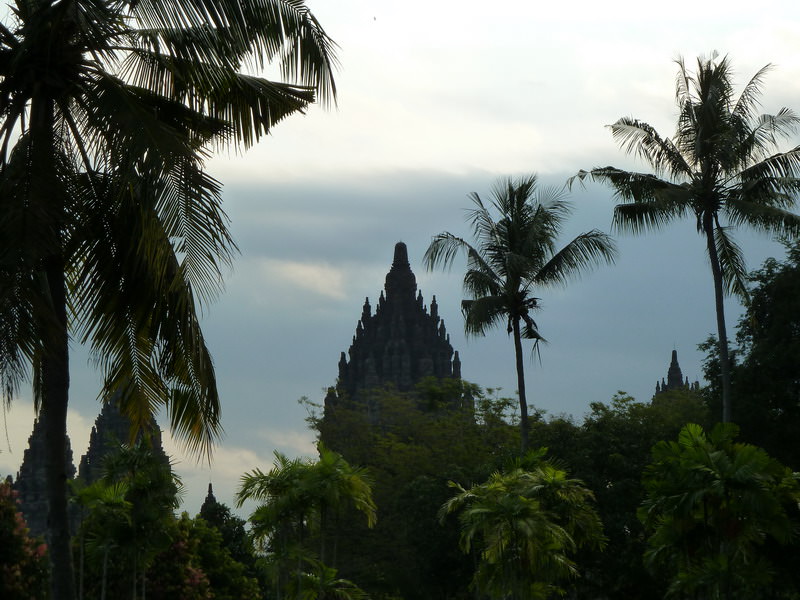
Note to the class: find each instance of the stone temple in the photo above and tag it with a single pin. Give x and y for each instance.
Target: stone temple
(110, 429)
(400, 344)
(675, 379)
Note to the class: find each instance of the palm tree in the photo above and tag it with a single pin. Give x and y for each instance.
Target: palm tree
(298, 498)
(108, 509)
(322, 583)
(526, 525)
(154, 492)
(513, 256)
(112, 232)
(336, 484)
(711, 506)
(303, 495)
(722, 168)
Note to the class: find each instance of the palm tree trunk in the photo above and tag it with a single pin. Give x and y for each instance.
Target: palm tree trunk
(55, 381)
(323, 522)
(54, 390)
(523, 401)
(54, 334)
(719, 297)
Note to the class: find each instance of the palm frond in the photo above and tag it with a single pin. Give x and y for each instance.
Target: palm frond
(749, 98)
(250, 106)
(643, 141)
(767, 219)
(774, 180)
(731, 260)
(482, 314)
(136, 307)
(257, 30)
(582, 254)
(443, 250)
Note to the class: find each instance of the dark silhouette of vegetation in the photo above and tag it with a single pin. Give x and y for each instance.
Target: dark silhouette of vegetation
(712, 506)
(301, 502)
(524, 526)
(23, 560)
(112, 231)
(766, 365)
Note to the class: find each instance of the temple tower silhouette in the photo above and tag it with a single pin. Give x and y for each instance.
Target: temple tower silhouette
(675, 379)
(31, 481)
(400, 344)
(110, 429)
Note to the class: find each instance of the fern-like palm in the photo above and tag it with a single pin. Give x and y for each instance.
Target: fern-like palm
(515, 254)
(299, 497)
(712, 504)
(722, 168)
(112, 231)
(526, 526)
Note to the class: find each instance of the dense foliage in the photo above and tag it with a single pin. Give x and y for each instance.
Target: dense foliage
(113, 232)
(524, 526)
(420, 445)
(23, 562)
(766, 373)
(712, 510)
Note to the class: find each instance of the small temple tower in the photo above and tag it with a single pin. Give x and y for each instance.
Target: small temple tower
(110, 429)
(31, 481)
(675, 379)
(402, 342)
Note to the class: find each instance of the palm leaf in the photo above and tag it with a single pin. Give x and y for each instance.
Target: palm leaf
(583, 253)
(731, 260)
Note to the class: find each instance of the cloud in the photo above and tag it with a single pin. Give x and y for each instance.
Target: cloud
(228, 465)
(290, 441)
(321, 279)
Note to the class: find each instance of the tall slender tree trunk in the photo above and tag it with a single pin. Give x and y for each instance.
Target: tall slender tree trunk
(722, 334)
(524, 426)
(47, 200)
(55, 383)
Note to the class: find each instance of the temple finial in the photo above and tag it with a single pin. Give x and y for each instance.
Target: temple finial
(400, 281)
(400, 255)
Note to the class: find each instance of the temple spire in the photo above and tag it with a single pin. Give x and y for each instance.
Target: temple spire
(674, 375)
(400, 281)
(398, 343)
(675, 379)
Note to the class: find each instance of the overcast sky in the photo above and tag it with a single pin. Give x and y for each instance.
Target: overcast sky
(437, 100)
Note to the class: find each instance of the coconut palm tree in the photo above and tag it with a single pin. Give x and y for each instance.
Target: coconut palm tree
(112, 232)
(336, 485)
(300, 496)
(514, 255)
(722, 168)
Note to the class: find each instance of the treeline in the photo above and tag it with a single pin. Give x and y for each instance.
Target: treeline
(423, 495)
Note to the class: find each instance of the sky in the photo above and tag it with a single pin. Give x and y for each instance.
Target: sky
(437, 100)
